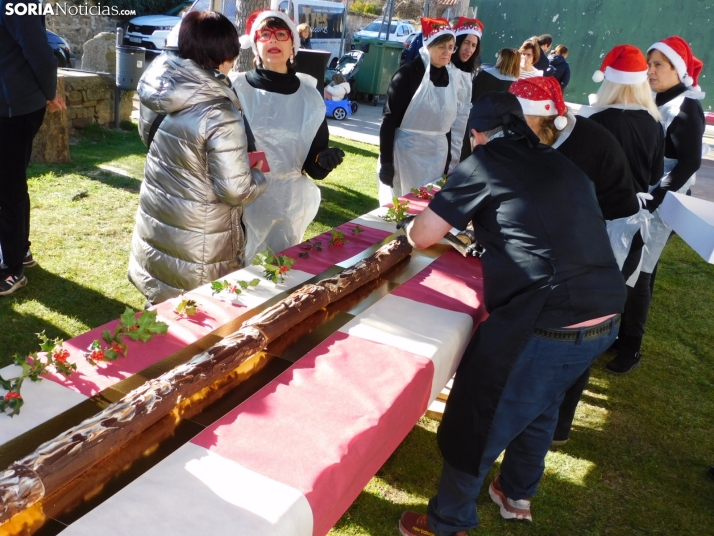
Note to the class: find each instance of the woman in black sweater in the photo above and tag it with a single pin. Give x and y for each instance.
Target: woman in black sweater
(467, 59)
(286, 115)
(624, 106)
(415, 136)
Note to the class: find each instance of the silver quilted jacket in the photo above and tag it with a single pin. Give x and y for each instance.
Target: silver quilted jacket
(197, 178)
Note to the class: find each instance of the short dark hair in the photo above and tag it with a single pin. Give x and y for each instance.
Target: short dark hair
(545, 40)
(442, 39)
(208, 38)
(530, 44)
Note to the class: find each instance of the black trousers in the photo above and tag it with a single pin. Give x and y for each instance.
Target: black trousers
(16, 135)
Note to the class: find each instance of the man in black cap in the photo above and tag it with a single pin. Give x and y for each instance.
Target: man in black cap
(554, 295)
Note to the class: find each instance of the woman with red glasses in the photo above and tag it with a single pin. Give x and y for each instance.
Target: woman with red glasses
(286, 115)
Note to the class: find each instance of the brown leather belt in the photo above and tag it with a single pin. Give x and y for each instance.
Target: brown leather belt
(573, 334)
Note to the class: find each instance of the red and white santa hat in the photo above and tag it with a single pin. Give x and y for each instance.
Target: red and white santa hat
(541, 96)
(252, 23)
(433, 28)
(679, 53)
(468, 26)
(624, 64)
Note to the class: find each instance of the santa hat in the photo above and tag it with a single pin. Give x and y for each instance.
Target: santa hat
(624, 64)
(680, 56)
(468, 26)
(541, 96)
(253, 22)
(433, 28)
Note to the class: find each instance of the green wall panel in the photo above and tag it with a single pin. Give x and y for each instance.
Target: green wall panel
(590, 28)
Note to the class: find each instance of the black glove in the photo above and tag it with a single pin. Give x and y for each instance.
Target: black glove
(386, 174)
(330, 158)
(406, 221)
(657, 198)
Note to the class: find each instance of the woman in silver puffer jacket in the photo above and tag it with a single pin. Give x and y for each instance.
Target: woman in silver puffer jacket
(197, 177)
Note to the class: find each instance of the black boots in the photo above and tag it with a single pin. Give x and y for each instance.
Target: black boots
(628, 355)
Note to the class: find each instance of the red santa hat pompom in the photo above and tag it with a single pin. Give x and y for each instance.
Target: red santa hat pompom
(624, 64)
(468, 26)
(679, 54)
(541, 96)
(252, 23)
(433, 28)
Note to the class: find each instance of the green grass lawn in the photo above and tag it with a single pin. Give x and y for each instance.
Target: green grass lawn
(636, 463)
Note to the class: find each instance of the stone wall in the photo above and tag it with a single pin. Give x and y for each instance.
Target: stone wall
(355, 22)
(77, 30)
(90, 99)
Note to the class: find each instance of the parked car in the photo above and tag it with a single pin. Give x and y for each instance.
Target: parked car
(151, 31)
(407, 43)
(399, 30)
(61, 49)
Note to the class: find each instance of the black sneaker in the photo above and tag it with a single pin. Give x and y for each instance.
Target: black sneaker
(624, 363)
(29, 261)
(11, 283)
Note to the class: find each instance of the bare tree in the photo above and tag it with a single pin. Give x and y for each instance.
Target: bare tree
(243, 9)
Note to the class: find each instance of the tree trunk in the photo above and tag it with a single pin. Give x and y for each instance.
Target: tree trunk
(243, 9)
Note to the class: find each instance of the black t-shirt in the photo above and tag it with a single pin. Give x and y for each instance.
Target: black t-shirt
(597, 152)
(402, 88)
(536, 215)
(683, 140)
(287, 84)
(642, 139)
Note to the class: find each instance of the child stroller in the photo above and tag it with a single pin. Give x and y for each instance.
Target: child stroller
(348, 66)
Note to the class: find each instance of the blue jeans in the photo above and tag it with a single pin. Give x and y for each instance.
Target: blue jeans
(523, 426)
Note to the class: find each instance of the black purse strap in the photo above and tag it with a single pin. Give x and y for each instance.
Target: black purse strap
(154, 127)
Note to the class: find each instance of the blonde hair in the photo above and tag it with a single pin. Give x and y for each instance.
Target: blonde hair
(509, 62)
(612, 93)
(548, 133)
(302, 27)
(561, 49)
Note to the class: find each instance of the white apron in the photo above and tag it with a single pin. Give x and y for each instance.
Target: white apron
(420, 146)
(659, 230)
(463, 99)
(284, 127)
(621, 231)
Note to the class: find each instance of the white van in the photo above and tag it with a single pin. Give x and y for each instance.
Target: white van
(327, 20)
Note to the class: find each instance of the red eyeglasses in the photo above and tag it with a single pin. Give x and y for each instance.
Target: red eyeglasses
(266, 34)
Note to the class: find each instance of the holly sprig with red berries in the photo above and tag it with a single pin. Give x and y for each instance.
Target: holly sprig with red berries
(274, 266)
(338, 238)
(33, 366)
(233, 288)
(396, 213)
(423, 192)
(137, 329)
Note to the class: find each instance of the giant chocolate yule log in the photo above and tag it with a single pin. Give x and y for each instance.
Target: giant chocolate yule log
(57, 462)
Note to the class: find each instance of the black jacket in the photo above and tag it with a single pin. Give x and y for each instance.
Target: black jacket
(544, 65)
(561, 70)
(598, 153)
(683, 141)
(28, 68)
(642, 139)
